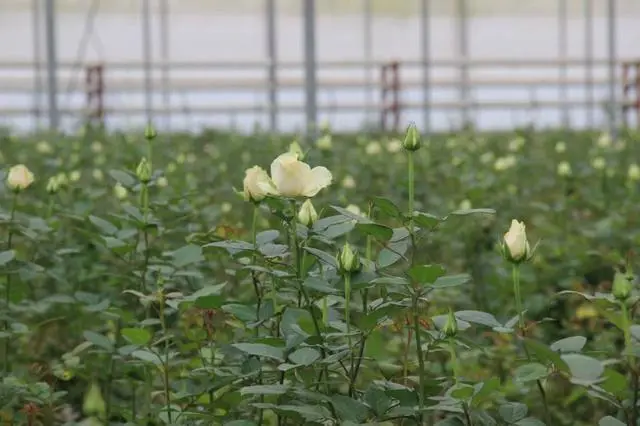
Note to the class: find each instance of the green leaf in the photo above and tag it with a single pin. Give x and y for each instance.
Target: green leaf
(136, 336)
(358, 218)
(530, 421)
(123, 177)
(614, 382)
(569, 344)
(472, 211)
(99, 340)
(305, 356)
(583, 368)
(240, 423)
(6, 257)
(323, 256)
(378, 400)
(260, 349)
(186, 255)
(426, 220)
(451, 281)
(147, 356)
(379, 232)
(511, 412)
(337, 230)
(105, 227)
(271, 250)
(461, 391)
(232, 247)
(478, 317)
(211, 301)
(275, 389)
(268, 236)
(242, 312)
(426, 274)
(545, 355)
(529, 372)
(319, 285)
(387, 206)
(610, 421)
(349, 409)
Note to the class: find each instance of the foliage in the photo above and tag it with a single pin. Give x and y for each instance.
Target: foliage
(151, 292)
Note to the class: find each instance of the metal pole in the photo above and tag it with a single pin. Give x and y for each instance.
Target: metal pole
(368, 60)
(588, 51)
(147, 59)
(463, 56)
(52, 65)
(272, 65)
(612, 48)
(37, 59)
(311, 102)
(563, 56)
(165, 58)
(425, 40)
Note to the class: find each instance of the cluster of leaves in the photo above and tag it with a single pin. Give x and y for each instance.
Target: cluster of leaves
(165, 309)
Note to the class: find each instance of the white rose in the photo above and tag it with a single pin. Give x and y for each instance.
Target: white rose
(515, 242)
(293, 178)
(19, 177)
(307, 214)
(257, 184)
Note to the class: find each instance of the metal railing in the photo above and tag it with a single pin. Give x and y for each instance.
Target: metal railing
(338, 78)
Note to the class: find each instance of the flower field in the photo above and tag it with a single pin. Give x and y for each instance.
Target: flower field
(219, 279)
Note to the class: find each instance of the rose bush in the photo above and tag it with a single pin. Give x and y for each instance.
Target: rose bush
(153, 292)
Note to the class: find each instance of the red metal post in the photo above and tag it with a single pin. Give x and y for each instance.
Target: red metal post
(94, 89)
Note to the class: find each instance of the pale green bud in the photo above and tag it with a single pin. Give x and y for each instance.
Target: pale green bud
(307, 214)
(144, 171)
(93, 401)
(412, 138)
(451, 326)
(295, 148)
(348, 259)
(150, 132)
(622, 286)
(53, 185)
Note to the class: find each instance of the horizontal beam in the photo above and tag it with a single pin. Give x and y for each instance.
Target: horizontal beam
(298, 108)
(262, 65)
(118, 85)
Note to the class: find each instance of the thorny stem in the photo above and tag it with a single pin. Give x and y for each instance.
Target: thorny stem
(347, 317)
(626, 329)
(256, 288)
(416, 315)
(165, 369)
(144, 202)
(7, 290)
(365, 308)
(515, 273)
(454, 359)
(416, 331)
(110, 374)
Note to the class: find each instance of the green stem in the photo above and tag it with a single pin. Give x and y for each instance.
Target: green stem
(254, 278)
(411, 172)
(111, 373)
(256, 288)
(454, 359)
(515, 273)
(144, 202)
(416, 331)
(626, 329)
(347, 317)
(7, 290)
(163, 324)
